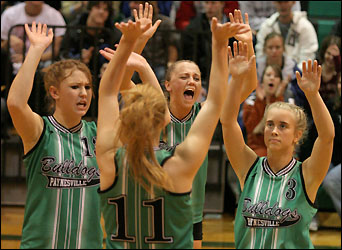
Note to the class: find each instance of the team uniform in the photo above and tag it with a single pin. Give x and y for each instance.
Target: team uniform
(274, 210)
(62, 206)
(136, 219)
(176, 132)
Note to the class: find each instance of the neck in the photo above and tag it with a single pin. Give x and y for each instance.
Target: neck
(278, 159)
(179, 111)
(33, 11)
(286, 19)
(65, 120)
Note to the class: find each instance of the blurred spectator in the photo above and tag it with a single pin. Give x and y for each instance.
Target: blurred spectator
(71, 9)
(197, 37)
(162, 49)
(259, 11)
(330, 59)
(300, 37)
(271, 90)
(27, 12)
(274, 53)
(163, 6)
(84, 43)
(183, 11)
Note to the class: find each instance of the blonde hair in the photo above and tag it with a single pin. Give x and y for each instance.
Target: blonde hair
(299, 113)
(142, 115)
(59, 71)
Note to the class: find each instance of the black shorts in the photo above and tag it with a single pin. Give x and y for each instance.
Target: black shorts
(197, 231)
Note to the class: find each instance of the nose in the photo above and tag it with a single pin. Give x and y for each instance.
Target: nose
(274, 131)
(83, 91)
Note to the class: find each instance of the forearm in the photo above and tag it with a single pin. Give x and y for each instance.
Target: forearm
(115, 69)
(231, 107)
(138, 48)
(218, 80)
(251, 80)
(321, 116)
(147, 75)
(21, 87)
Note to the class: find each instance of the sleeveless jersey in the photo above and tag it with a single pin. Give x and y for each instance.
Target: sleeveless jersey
(62, 206)
(136, 219)
(177, 130)
(274, 210)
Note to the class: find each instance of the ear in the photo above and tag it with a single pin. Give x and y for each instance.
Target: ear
(167, 86)
(54, 92)
(298, 135)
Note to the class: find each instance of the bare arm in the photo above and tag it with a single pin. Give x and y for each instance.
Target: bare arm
(28, 124)
(190, 154)
(316, 166)
(240, 155)
(108, 114)
(251, 81)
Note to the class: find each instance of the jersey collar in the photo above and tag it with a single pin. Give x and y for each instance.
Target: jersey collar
(281, 172)
(63, 129)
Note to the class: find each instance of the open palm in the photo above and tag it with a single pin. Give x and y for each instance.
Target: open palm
(238, 63)
(224, 31)
(310, 80)
(37, 36)
(145, 18)
(237, 18)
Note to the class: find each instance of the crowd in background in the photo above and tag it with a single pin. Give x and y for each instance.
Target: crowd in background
(283, 37)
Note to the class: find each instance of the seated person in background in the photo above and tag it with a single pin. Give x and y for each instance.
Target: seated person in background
(83, 43)
(271, 90)
(27, 12)
(71, 9)
(196, 37)
(274, 53)
(300, 37)
(259, 11)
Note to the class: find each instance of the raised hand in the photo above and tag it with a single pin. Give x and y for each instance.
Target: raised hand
(239, 64)
(145, 18)
(131, 30)
(310, 80)
(221, 32)
(37, 36)
(246, 36)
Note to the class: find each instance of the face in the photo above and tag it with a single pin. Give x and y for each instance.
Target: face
(274, 50)
(280, 132)
(99, 13)
(185, 84)
(213, 9)
(329, 54)
(270, 81)
(284, 8)
(74, 94)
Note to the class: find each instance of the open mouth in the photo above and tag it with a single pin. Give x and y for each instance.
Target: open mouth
(271, 85)
(189, 94)
(82, 104)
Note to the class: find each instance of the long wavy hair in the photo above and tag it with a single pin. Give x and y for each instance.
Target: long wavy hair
(142, 116)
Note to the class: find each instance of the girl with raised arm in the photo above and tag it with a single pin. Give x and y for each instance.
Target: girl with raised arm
(278, 192)
(62, 207)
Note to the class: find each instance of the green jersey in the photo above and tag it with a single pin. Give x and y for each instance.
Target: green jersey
(274, 210)
(62, 206)
(136, 219)
(177, 130)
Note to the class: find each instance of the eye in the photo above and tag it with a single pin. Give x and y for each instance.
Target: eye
(87, 87)
(197, 79)
(183, 77)
(74, 86)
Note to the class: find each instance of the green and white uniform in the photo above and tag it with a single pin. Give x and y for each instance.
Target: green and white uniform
(177, 130)
(274, 210)
(136, 219)
(62, 206)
